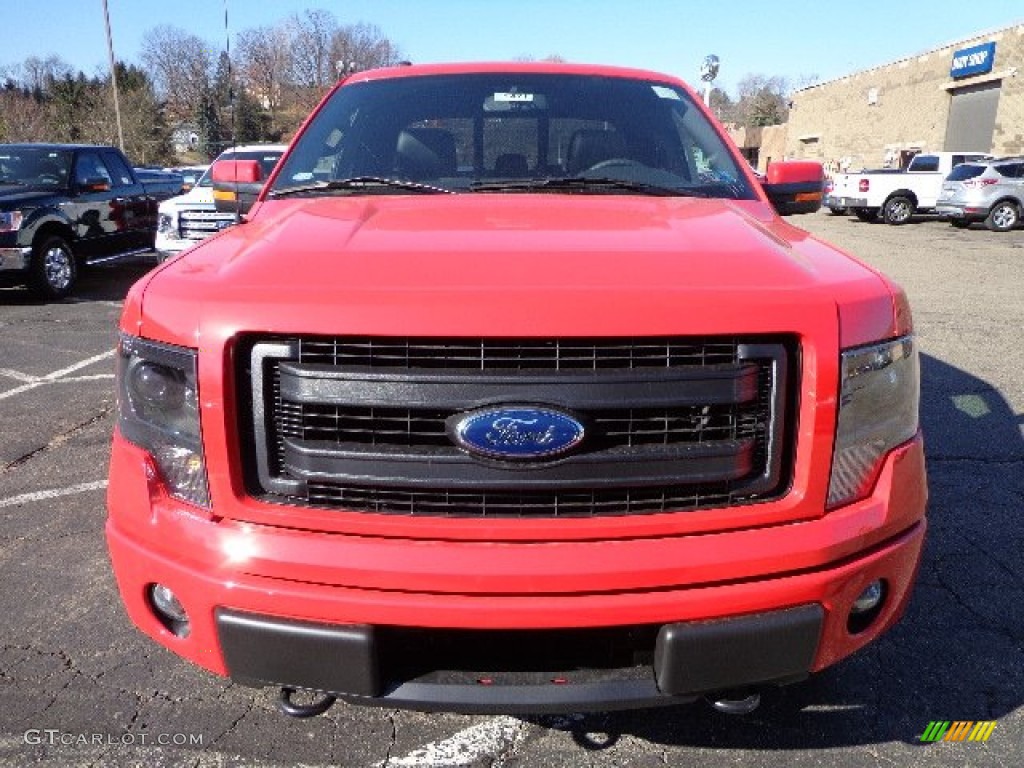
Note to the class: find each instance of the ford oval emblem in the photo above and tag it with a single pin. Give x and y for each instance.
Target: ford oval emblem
(517, 432)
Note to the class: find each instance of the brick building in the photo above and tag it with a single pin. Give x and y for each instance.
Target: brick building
(967, 95)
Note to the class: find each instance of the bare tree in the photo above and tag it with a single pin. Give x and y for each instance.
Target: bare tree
(38, 74)
(264, 66)
(181, 65)
(363, 46)
(23, 118)
(762, 101)
(311, 34)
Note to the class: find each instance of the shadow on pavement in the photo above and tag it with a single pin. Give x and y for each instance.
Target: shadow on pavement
(958, 653)
(103, 282)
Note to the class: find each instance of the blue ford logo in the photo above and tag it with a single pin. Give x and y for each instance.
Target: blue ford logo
(517, 432)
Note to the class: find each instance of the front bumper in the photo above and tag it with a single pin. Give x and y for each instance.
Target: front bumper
(256, 619)
(689, 657)
(15, 259)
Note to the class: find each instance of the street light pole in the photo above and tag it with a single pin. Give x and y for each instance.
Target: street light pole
(113, 76)
(708, 73)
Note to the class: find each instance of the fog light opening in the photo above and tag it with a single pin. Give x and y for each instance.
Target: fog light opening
(867, 606)
(168, 609)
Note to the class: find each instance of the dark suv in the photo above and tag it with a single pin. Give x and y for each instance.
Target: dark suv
(991, 191)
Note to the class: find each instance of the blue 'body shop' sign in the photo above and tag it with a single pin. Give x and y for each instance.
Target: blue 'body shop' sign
(976, 60)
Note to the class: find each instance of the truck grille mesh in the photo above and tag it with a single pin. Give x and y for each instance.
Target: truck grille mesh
(751, 425)
(533, 355)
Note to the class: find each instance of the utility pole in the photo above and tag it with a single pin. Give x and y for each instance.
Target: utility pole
(113, 77)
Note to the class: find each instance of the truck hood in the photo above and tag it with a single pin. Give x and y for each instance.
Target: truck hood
(508, 264)
(199, 197)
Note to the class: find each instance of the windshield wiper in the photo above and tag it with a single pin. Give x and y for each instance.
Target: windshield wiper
(584, 184)
(360, 183)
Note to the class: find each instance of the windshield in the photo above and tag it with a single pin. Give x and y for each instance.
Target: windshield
(511, 132)
(34, 166)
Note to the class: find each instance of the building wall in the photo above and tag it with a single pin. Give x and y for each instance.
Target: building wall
(865, 119)
(760, 145)
(773, 145)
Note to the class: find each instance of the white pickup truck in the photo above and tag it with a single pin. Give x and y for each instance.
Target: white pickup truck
(898, 195)
(186, 219)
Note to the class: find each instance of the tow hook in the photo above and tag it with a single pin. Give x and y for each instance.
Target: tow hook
(735, 702)
(290, 708)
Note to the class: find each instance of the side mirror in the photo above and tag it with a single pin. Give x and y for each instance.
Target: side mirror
(236, 185)
(795, 186)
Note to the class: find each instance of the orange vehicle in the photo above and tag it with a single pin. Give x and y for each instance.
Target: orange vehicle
(512, 392)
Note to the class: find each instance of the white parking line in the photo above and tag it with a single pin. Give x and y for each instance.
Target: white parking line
(18, 375)
(53, 493)
(32, 382)
(79, 366)
(488, 739)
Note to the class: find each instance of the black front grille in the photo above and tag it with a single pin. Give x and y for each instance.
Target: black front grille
(528, 354)
(672, 424)
(408, 427)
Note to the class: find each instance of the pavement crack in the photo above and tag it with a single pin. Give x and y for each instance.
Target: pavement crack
(233, 725)
(59, 439)
(394, 738)
(982, 619)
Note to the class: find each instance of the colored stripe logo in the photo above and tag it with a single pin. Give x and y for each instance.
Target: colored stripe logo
(958, 730)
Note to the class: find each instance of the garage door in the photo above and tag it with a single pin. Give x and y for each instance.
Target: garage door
(972, 117)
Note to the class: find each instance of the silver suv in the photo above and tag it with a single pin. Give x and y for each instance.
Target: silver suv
(991, 191)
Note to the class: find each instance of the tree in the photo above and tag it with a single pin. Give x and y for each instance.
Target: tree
(181, 67)
(362, 46)
(263, 68)
(72, 102)
(22, 117)
(223, 81)
(147, 137)
(312, 67)
(251, 124)
(208, 126)
(762, 101)
(39, 73)
(722, 106)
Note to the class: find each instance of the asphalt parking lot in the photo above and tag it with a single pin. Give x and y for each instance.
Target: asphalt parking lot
(80, 687)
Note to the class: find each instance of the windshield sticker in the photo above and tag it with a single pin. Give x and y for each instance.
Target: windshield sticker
(664, 92)
(514, 98)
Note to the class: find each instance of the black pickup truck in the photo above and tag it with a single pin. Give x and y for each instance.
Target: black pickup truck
(65, 206)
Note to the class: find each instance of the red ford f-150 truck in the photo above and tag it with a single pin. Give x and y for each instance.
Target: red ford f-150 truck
(512, 392)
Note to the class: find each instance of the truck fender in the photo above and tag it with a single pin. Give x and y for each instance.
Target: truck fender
(44, 222)
(908, 193)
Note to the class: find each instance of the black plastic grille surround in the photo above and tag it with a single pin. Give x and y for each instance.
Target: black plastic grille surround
(673, 424)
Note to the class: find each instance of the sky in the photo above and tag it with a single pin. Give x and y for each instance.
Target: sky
(803, 42)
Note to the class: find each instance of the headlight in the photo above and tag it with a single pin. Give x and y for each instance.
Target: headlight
(10, 221)
(878, 405)
(158, 410)
(167, 224)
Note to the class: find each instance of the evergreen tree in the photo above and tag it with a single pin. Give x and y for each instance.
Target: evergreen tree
(208, 126)
(251, 123)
